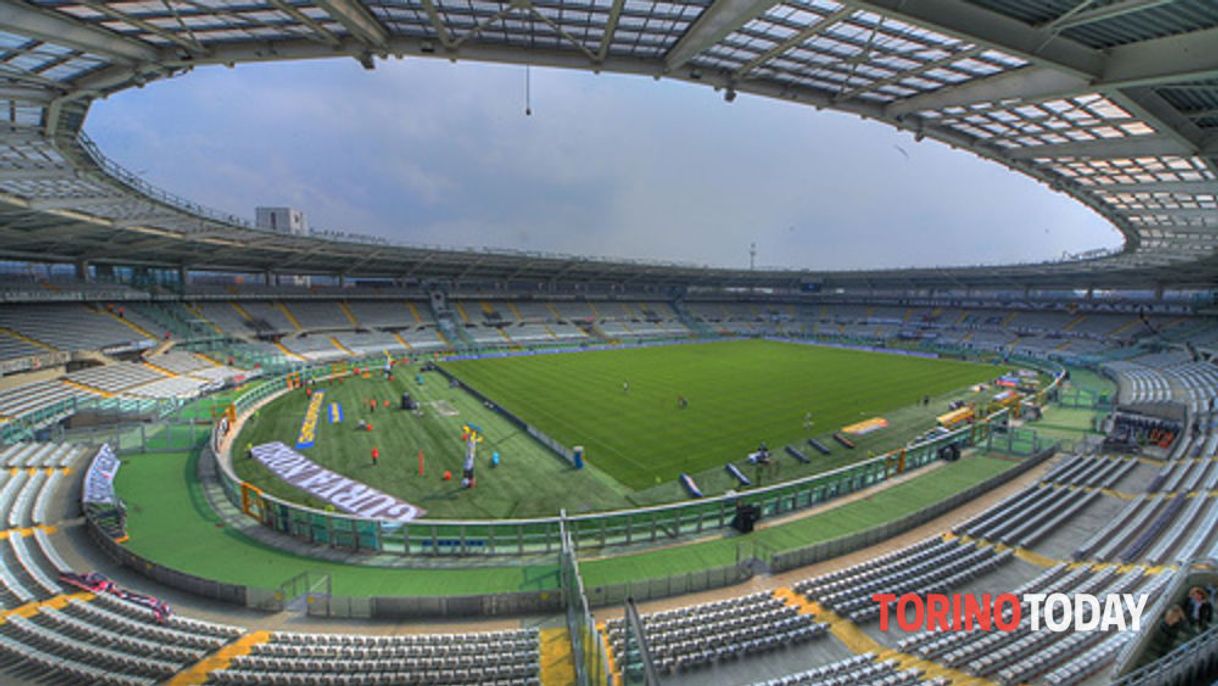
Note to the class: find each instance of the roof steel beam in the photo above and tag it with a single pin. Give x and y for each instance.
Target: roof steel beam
(1026, 83)
(318, 30)
(187, 43)
(975, 24)
(1174, 59)
(437, 23)
(1074, 19)
(1177, 213)
(615, 14)
(56, 28)
(813, 30)
(1188, 187)
(713, 25)
(358, 21)
(1102, 148)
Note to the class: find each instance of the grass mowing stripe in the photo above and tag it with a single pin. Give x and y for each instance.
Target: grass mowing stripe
(739, 392)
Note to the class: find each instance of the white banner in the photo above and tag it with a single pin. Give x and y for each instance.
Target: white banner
(344, 493)
(99, 480)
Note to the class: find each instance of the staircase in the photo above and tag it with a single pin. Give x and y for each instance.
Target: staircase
(179, 321)
(450, 330)
(694, 324)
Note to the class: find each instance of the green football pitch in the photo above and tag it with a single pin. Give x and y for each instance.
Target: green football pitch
(622, 405)
(739, 393)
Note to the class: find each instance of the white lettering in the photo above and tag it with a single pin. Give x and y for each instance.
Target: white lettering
(1135, 609)
(1114, 617)
(1034, 601)
(344, 493)
(1086, 612)
(1060, 620)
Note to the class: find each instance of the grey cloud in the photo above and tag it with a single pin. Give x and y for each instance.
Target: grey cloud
(432, 152)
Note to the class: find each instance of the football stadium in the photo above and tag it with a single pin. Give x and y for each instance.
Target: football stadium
(243, 452)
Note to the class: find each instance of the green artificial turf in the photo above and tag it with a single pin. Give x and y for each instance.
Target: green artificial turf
(531, 481)
(884, 506)
(1087, 380)
(170, 521)
(739, 393)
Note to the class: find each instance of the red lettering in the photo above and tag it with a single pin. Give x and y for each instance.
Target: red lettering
(937, 606)
(883, 599)
(903, 604)
(999, 616)
(977, 613)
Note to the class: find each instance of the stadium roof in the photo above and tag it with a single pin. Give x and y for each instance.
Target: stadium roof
(1112, 101)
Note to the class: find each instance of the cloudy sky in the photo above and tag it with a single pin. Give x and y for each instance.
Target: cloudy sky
(426, 151)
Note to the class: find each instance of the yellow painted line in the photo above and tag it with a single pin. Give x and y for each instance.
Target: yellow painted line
(88, 389)
(1046, 561)
(503, 332)
(859, 642)
(242, 311)
(414, 312)
(405, 343)
(549, 331)
(283, 307)
(1036, 558)
(554, 310)
(221, 659)
(461, 311)
(32, 608)
(160, 369)
(557, 662)
(610, 668)
(28, 531)
(1122, 495)
(1024, 554)
(199, 313)
(287, 352)
(132, 325)
(22, 337)
(443, 339)
(515, 310)
(208, 359)
(342, 305)
(337, 344)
